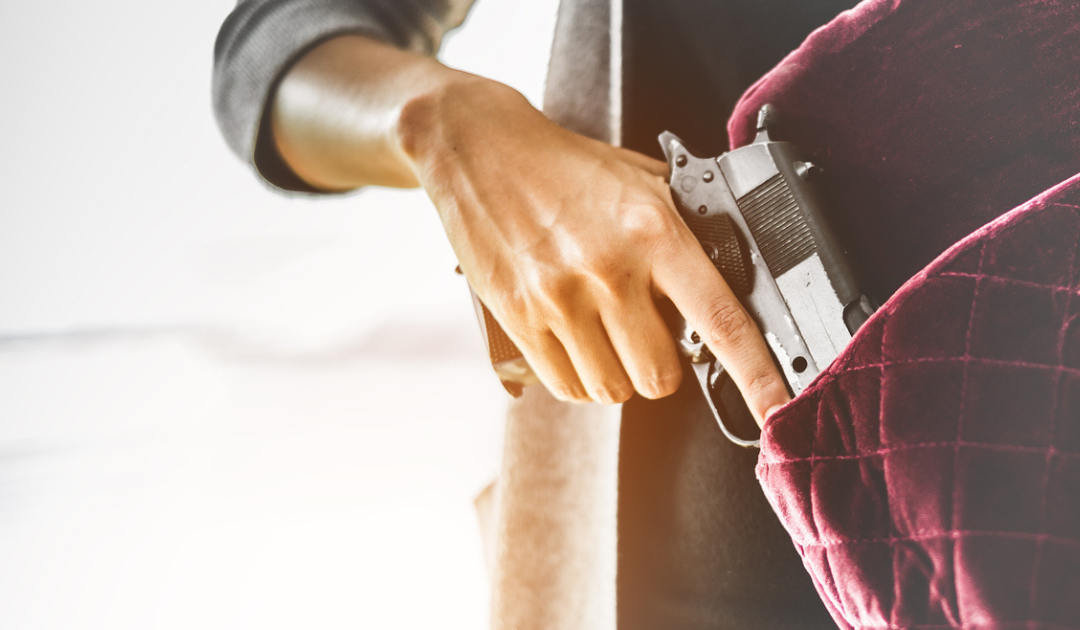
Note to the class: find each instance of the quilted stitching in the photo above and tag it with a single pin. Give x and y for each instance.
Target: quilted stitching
(930, 477)
(932, 483)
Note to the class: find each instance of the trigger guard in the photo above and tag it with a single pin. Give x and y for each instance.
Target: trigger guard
(709, 375)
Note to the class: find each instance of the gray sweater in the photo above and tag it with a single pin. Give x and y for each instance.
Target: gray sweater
(261, 38)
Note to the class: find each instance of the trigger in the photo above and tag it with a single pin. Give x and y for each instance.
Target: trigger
(733, 414)
(726, 403)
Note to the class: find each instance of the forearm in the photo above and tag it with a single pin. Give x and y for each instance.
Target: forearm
(354, 111)
(347, 113)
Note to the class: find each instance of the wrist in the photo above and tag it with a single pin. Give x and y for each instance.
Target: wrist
(431, 125)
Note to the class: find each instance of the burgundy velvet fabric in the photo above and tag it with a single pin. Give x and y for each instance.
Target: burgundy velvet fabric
(932, 118)
(931, 476)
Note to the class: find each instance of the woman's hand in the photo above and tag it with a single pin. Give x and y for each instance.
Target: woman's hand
(569, 241)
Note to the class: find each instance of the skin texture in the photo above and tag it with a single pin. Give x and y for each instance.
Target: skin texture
(567, 240)
(570, 242)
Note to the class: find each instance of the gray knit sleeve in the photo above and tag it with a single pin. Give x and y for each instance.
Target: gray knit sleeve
(261, 38)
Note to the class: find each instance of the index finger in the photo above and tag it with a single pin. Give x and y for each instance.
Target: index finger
(701, 295)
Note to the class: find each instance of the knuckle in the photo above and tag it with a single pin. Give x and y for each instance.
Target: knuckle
(556, 290)
(644, 220)
(519, 327)
(605, 269)
(728, 324)
(511, 306)
(603, 261)
(759, 383)
(513, 312)
(651, 225)
(610, 275)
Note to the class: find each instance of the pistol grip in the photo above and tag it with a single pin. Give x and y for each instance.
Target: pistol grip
(799, 287)
(506, 358)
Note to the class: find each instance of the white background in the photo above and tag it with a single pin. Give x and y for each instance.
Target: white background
(221, 407)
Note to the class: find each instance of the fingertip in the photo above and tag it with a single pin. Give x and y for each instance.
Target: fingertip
(577, 400)
(612, 395)
(663, 386)
(568, 392)
(773, 409)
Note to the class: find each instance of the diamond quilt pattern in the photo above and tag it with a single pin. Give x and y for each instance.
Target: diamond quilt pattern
(931, 476)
